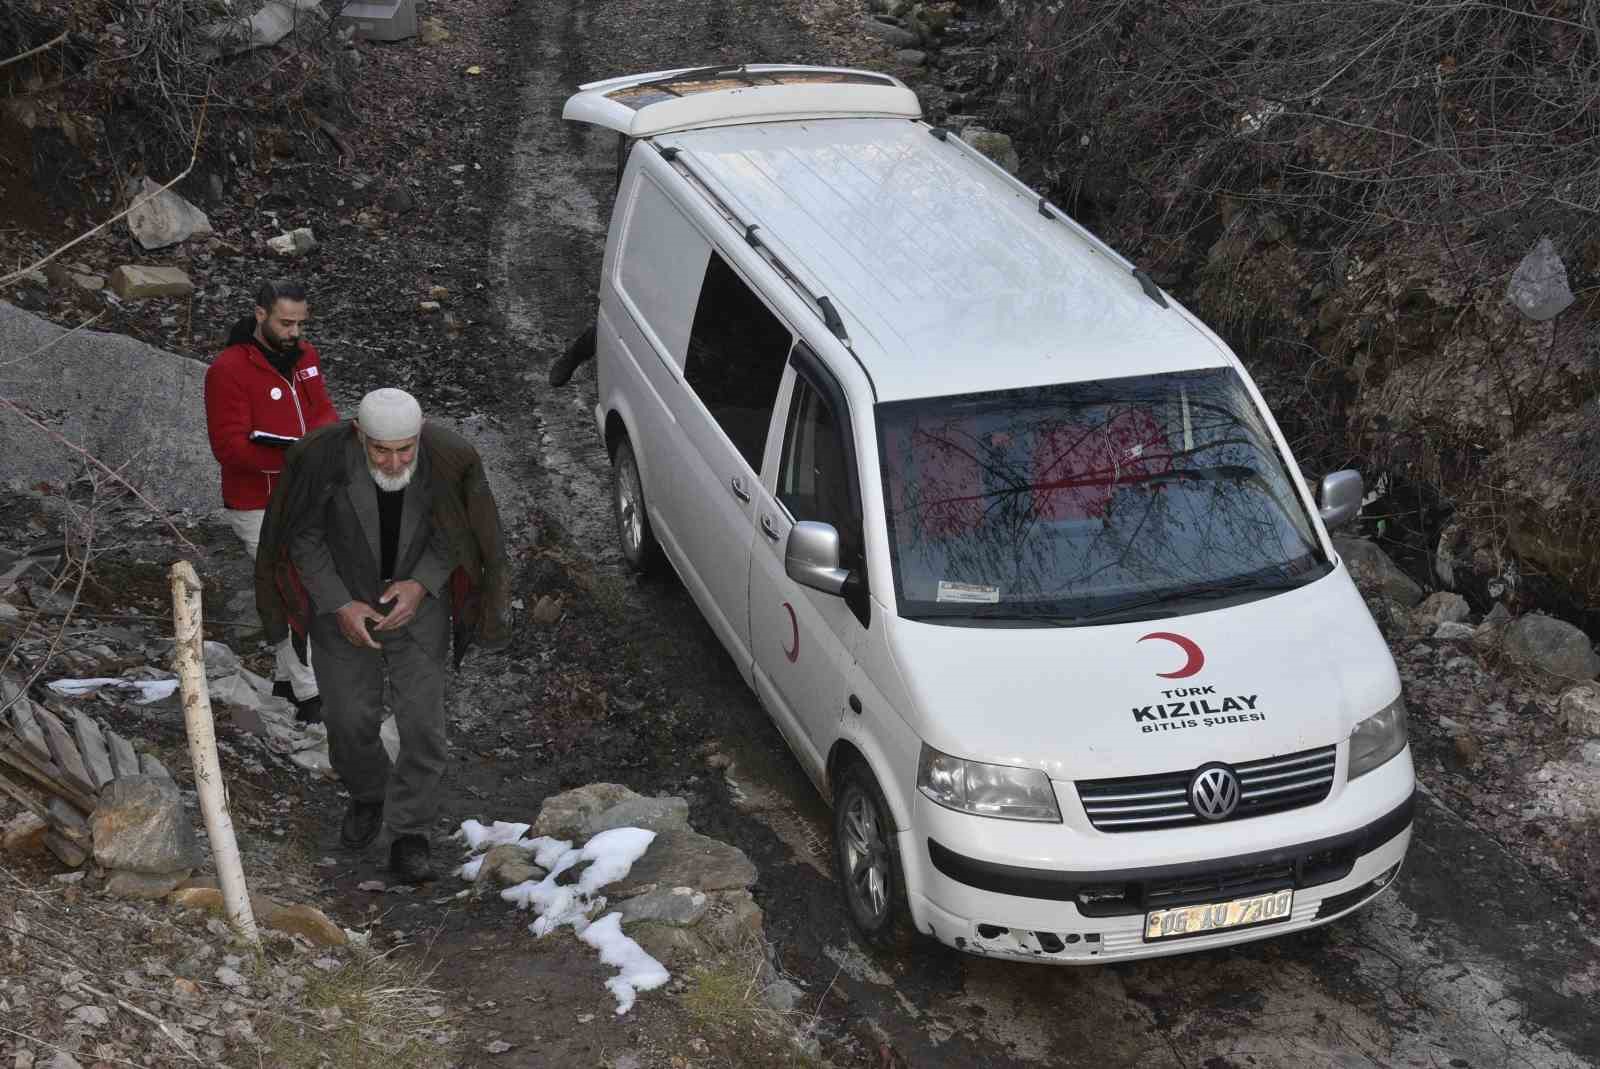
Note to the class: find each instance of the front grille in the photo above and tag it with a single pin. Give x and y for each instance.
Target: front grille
(1214, 885)
(1147, 803)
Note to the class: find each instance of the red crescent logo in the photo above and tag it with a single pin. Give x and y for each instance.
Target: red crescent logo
(794, 625)
(1196, 661)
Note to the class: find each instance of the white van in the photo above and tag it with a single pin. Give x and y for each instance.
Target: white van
(1003, 537)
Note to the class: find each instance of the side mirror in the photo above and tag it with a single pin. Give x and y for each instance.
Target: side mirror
(811, 557)
(1340, 498)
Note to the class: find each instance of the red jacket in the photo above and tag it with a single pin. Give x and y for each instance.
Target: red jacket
(244, 393)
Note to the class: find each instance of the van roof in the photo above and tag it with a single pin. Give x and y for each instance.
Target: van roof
(643, 105)
(948, 275)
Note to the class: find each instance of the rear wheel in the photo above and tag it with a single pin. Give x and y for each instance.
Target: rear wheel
(637, 541)
(866, 860)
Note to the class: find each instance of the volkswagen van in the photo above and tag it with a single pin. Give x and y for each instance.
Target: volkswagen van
(1004, 539)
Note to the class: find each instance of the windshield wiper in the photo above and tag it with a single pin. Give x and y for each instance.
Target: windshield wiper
(1241, 585)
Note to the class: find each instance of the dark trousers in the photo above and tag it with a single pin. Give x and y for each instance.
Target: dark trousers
(352, 678)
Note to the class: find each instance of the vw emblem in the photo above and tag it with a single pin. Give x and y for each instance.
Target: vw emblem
(1214, 792)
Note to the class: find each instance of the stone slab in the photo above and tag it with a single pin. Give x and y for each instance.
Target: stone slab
(65, 753)
(26, 727)
(67, 852)
(124, 762)
(688, 859)
(92, 747)
(134, 282)
(149, 766)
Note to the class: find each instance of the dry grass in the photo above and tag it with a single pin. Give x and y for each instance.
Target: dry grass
(725, 999)
(379, 1013)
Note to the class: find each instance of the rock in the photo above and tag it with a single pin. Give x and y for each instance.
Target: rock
(911, 57)
(652, 814)
(1442, 607)
(62, 1060)
(66, 851)
(684, 858)
(140, 825)
(1578, 709)
(143, 886)
(567, 815)
(890, 32)
(88, 283)
(586, 811)
(428, 307)
(164, 220)
(1538, 286)
(399, 200)
(295, 242)
(996, 146)
(228, 976)
(1469, 751)
(1454, 631)
(432, 32)
(678, 906)
(782, 996)
(439, 293)
(299, 919)
(1373, 570)
(547, 610)
(24, 835)
(134, 282)
(508, 865)
(1552, 645)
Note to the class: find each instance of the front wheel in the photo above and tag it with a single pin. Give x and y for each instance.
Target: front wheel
(637, 541)
(866, 860)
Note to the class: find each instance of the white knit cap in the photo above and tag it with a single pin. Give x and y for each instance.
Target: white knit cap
(389, 415)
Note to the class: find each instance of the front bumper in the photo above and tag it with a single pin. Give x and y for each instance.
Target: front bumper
(1084, 917)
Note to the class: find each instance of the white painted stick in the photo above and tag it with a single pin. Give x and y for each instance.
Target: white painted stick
(190, 658)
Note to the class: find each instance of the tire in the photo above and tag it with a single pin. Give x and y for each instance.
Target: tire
(634, 535)
(866, 861)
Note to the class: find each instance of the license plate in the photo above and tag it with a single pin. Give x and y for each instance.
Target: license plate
(1215, 916)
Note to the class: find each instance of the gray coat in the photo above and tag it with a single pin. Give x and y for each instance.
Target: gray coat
(338, 555)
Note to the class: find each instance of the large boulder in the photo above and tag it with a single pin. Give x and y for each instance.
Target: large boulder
(1579, 710)
(140, 826)
(1374, 572)
(162, 217)
(1552, 645)
(125, 402)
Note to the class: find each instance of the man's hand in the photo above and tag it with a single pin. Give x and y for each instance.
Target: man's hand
(353, 619)
(406, 594)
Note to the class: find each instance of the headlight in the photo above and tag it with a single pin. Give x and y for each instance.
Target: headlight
(986, 790)
(1378, 738)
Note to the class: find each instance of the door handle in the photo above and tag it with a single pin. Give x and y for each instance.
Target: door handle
(768, 528)
(738, 488)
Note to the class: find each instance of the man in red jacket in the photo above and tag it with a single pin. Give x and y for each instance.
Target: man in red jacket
(264, 392)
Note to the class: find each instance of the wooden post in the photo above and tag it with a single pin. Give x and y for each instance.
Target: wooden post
(190, 658)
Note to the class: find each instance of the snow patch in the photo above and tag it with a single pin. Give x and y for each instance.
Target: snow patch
(610, 855)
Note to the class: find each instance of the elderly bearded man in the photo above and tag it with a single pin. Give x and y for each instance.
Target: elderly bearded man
(378, 534)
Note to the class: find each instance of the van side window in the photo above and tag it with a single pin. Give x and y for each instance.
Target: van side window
(737, 350)
(813, 476)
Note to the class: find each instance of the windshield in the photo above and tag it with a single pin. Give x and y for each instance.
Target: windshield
(1083, 500)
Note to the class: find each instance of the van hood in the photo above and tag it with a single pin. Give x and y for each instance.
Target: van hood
(1286, 672)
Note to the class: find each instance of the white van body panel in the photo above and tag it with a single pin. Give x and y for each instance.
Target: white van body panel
(720, 98)
(1277, 675)
(947, 276)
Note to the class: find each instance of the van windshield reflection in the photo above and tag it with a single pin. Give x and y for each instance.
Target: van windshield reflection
(1138, 497)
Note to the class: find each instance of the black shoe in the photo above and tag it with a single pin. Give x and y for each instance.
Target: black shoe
(309, 711)
(362, 822)
(581, 349)
(408, 858)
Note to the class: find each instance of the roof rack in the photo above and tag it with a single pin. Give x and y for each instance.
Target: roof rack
(825, 308)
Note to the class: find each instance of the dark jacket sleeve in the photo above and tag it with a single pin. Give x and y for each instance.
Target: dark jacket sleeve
(483, 515)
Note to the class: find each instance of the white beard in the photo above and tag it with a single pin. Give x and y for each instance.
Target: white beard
(391, 483)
